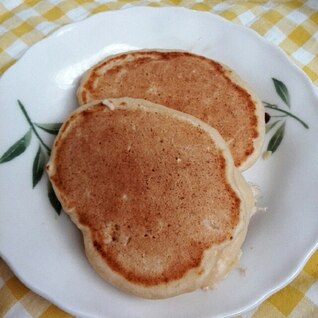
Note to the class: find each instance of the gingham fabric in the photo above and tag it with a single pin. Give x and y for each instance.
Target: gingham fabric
(292, 25)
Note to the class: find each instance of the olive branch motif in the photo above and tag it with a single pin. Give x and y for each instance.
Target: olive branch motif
(41, 156)
(276, 117)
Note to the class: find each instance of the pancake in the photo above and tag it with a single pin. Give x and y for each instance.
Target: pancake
(162, 208)
(189, 83)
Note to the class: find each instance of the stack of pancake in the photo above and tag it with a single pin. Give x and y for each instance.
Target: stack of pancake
(149, 169)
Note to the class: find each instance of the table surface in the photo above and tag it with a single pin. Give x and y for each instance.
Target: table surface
(292, 25)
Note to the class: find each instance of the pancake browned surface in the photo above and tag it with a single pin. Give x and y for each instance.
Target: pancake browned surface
(189, 83)
(155, 192)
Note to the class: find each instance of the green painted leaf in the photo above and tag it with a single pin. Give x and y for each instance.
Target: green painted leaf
(270, 126)
(276, 139)
(287, 113)
(50, 128)
(18, 148)
(282, 91)
(53, 199)
(38, 166)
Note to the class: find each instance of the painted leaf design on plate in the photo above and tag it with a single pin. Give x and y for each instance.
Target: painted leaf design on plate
(19, 147)
(38, 166)
(53, 199)
(282, 91)
(41, 156)
(269, 127)
(276, 108)
(282, 114)
(50, 128)
(276, 139)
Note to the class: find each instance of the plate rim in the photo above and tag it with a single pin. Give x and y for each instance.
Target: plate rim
(310, 250)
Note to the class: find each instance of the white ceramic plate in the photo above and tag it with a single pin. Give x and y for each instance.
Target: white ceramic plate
(45, 250)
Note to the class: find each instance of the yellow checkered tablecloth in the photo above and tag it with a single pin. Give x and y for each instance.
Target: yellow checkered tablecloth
(292, 25)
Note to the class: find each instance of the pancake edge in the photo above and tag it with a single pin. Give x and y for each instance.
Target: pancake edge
(229, 72)
(220, 259)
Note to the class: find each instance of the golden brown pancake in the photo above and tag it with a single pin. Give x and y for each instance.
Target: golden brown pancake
(162, 208)
(189, 83)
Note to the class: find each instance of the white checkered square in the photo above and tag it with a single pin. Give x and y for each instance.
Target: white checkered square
(268, 5)
(247, 17)
(27, 13)
(77, 14)
(312, 293)
(303, 56)
(297, 17)
(2, 29)
(55, 2)
(275, 35)
(46, 27)
(16, 49)
(17, 310)
(222, 6)
(313, 4)
(11, 4)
